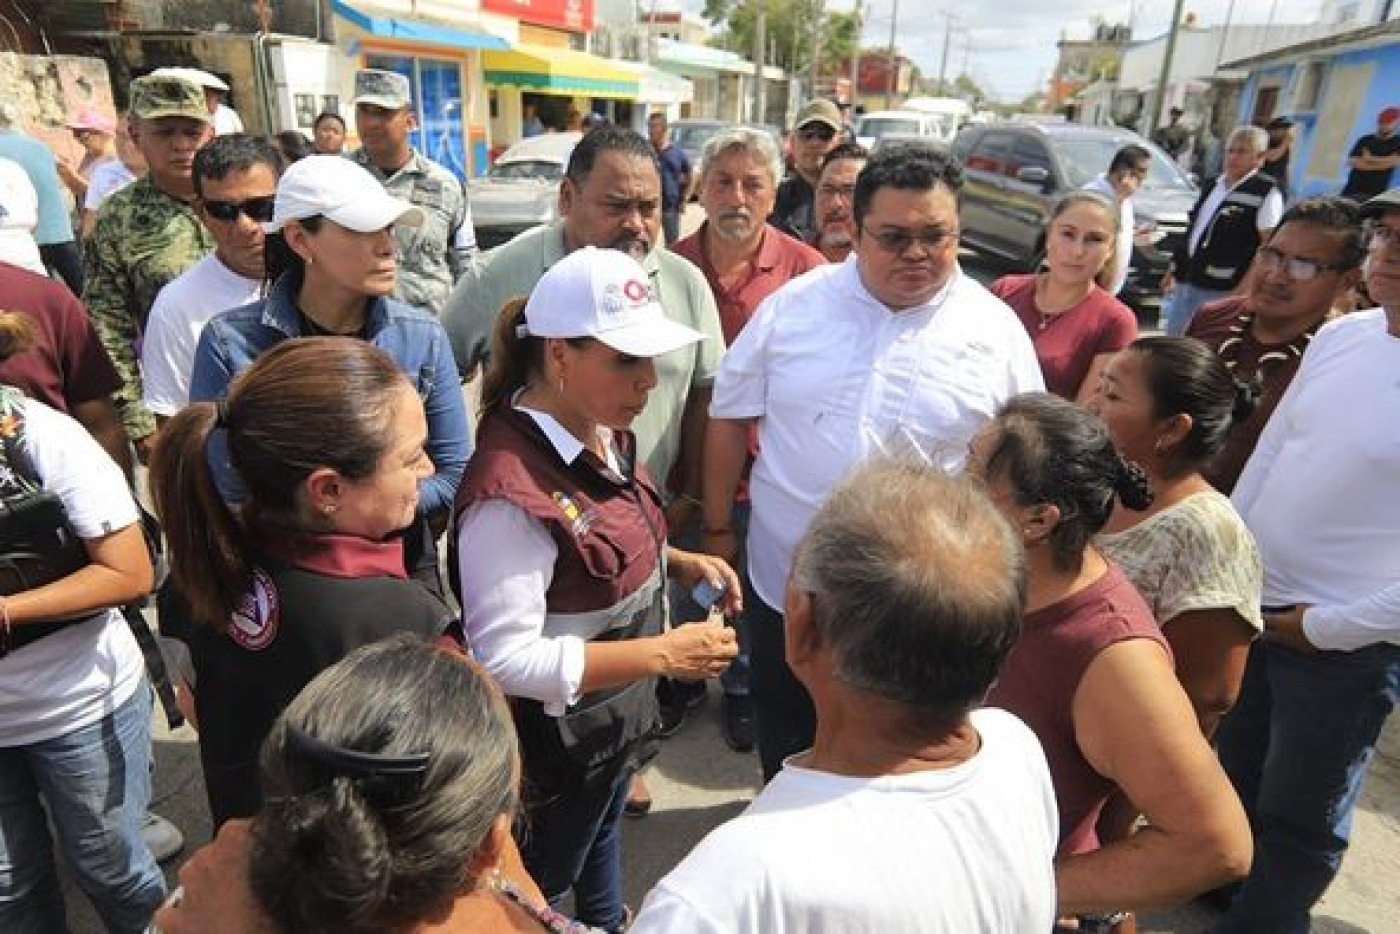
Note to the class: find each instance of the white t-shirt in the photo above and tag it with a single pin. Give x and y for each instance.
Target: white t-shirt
(106, 179)
(226, 121)
(958, 851)
(1270, 211)
(834, 378)
(1320, 491)
(1126, 222)
(78, 675)
(178, 315)
(19, 215)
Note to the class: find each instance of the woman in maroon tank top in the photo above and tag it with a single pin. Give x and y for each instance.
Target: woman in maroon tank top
(1092, 675)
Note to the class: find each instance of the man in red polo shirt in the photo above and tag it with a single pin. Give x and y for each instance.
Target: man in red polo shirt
(1312, 259)
(745, 260)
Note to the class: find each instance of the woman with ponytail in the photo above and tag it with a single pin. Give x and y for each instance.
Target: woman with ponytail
(1092, 674)
(327, 438)
(1170, 404)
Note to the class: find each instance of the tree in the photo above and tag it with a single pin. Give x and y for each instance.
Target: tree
(789, 32)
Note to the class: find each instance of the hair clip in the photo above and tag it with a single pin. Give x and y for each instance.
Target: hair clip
(352, 763)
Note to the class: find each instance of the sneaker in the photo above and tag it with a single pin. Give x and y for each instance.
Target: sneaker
(740, 731)
(162, 837)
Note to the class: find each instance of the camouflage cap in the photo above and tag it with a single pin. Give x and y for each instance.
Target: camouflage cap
(155, 96)
(387, 89)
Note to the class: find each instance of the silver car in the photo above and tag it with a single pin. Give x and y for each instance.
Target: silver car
(521, 190)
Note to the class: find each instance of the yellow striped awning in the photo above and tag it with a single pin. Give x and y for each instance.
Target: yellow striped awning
(560, 71)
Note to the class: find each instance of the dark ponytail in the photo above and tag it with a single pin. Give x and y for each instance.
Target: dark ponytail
(1185, 377)
(514, 358)
(1132, 486)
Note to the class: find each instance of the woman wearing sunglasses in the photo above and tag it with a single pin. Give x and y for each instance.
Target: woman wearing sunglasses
(330, 262)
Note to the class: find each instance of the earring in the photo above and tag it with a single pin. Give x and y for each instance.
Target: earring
(328, 509)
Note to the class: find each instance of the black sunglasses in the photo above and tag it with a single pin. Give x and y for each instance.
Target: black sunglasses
(257, 209)
(816, 131)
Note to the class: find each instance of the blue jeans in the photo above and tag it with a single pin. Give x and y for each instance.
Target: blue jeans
(1183, 303)
(96, 784)
(575, 842)
(787, 721)
(1296, 747)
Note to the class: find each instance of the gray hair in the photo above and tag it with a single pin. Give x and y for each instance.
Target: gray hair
(917, 586)
(755, 142)
(354, 850)
(1256, 136)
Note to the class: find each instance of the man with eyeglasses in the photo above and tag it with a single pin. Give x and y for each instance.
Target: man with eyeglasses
(235, 181)
(835, 233)
(1311, 261)
(814, 134)
(147, 234)
(1319, 496)
(895, 354)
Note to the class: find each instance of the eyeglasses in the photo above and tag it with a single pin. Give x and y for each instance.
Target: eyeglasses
(831, 191)
(816, 131)
(257, 209)
(1295, 267)
(1379, 235)
(898, 241)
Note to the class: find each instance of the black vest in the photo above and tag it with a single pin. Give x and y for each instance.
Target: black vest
(1230, 239)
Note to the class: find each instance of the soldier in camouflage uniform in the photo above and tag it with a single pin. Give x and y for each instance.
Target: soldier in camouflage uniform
(147, 234)
(432, 256)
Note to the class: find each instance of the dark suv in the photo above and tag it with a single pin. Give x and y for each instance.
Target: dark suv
(1015, 172)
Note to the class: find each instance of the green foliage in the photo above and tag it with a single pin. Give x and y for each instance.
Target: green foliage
(788, 31)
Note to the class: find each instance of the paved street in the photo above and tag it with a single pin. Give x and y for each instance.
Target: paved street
(698, 782)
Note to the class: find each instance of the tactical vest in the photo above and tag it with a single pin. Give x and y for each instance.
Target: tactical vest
(1231, 237)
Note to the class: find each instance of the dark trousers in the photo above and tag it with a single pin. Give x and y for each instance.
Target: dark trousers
(671, 224)
(574, 842)
(1296, 747)
(66, 260)
(787, 722)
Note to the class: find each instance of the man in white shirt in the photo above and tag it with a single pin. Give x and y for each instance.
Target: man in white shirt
(894, 352)
(1228, 223)
(1319, 494)
(1124, 177)
(912, 811)
(235, 181)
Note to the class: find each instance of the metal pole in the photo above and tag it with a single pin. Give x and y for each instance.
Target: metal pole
(759, 40)
(1166, 68)
(855, 58)
(893, 64)
(943, 60)
(816, 45)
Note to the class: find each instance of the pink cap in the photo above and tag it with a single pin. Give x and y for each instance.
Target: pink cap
(92, 120)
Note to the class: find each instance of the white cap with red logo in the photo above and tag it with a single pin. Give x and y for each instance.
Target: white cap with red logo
(605, 295)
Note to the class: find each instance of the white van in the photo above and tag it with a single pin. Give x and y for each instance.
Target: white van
(901, 124)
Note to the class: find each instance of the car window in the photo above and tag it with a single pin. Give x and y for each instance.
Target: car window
(1028, 152)
(884, 126)
(538, 169)
(691, 135)
(1085, 159)
(991, 154)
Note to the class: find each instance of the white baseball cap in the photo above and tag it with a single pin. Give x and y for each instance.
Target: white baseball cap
(605, 295)
(196, 76)
(336, 188)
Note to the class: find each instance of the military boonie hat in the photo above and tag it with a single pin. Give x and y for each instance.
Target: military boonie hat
(387, 89)
(155, 96)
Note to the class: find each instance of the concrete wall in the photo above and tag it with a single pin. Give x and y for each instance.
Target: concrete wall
(47, 89)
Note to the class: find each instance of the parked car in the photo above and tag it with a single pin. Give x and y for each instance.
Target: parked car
(1015, 172)
(905, 124)
(521, 190)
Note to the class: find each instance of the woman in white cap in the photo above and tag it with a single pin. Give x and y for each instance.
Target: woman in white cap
(563, 555)
(330, 261)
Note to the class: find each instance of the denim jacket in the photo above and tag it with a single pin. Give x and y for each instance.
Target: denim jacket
(233, 340)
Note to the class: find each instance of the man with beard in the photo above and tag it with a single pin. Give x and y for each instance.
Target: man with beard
(610, 198)
(897, 354)
(744, 261)
(1310, 262)
(835, 233)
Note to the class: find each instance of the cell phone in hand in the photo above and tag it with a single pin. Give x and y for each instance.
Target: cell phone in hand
(706, 595)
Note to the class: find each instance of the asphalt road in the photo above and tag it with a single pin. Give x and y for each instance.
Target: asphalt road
(698, 782)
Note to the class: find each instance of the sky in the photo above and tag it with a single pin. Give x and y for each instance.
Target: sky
(1011, 54)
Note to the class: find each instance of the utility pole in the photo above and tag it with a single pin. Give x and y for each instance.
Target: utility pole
(893, 63)
(817, 17)
(759, 41)
(861, 12)
(1165, 76)
(948, 19)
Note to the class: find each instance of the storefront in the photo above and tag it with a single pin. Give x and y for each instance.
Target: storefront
(580, 82)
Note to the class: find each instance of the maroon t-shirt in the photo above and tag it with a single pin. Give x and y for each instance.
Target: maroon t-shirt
(1066, 344)
(1273, 365)
(1057, 644)
(67, 365)
(780, 259)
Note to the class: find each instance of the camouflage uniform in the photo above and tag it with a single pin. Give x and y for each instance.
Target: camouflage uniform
(143, 238)
(431, 256)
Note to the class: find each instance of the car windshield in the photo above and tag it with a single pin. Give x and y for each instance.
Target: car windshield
(1086, 159)
(693, 135)
(885, 126)
(528, 169)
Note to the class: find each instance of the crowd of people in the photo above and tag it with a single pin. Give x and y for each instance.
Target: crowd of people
(1033, 622)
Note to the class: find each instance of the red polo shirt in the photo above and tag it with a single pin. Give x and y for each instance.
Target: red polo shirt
(780, 259)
